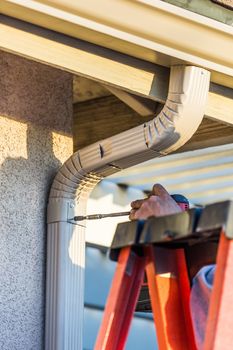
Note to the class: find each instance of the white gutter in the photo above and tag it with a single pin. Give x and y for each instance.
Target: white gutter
(176, 123)
(152, 30)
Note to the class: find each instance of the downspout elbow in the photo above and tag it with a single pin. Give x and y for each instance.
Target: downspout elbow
(175, 124)
(183, 110)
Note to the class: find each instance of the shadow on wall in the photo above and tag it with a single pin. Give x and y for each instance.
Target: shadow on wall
(27, 179)
(35, 119)
(25, 184)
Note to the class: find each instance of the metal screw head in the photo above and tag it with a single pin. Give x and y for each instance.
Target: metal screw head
(169, 234)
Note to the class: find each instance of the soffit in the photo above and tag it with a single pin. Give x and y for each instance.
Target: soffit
(86, 89)
(204, 176)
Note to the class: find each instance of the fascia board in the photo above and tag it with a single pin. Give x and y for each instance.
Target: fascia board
(152, 30)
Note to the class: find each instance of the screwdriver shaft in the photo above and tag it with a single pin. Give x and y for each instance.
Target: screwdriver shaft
(100, 216)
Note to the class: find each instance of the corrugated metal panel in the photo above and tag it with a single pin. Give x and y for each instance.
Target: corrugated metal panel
(204, 176)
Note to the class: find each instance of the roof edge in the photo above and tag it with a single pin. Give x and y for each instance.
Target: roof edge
(151, 38)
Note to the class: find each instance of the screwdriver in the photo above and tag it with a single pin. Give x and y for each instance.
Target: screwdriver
(179, 198)
(100, 216)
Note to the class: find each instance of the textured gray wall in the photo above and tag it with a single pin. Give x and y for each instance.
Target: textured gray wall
(35, 139)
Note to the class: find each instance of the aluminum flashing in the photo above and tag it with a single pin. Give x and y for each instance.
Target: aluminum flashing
(179, 119)
(152, 30)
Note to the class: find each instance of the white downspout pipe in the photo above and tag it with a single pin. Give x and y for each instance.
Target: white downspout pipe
(175, 124)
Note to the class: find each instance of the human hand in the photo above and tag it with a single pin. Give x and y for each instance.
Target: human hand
(159, 203)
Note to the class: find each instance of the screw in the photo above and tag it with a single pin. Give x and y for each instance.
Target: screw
(169, 234)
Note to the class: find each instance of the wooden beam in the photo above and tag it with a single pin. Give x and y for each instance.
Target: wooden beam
(86, 89)
(103, 117)
(210, 133)
(141, 105)
(84, 59)
(220, 104)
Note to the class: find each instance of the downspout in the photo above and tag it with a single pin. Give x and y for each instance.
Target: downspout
(175, 124)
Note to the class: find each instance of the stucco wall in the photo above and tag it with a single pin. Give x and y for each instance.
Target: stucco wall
(35, 139)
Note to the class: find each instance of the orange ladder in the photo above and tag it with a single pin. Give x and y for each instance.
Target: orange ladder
(159, 248)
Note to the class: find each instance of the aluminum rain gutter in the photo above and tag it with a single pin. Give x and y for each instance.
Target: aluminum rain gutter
(153, 30)
(176, 123)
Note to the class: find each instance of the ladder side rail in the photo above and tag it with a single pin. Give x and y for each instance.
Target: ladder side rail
(169, 311)
(121, 301)
(219, 334)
